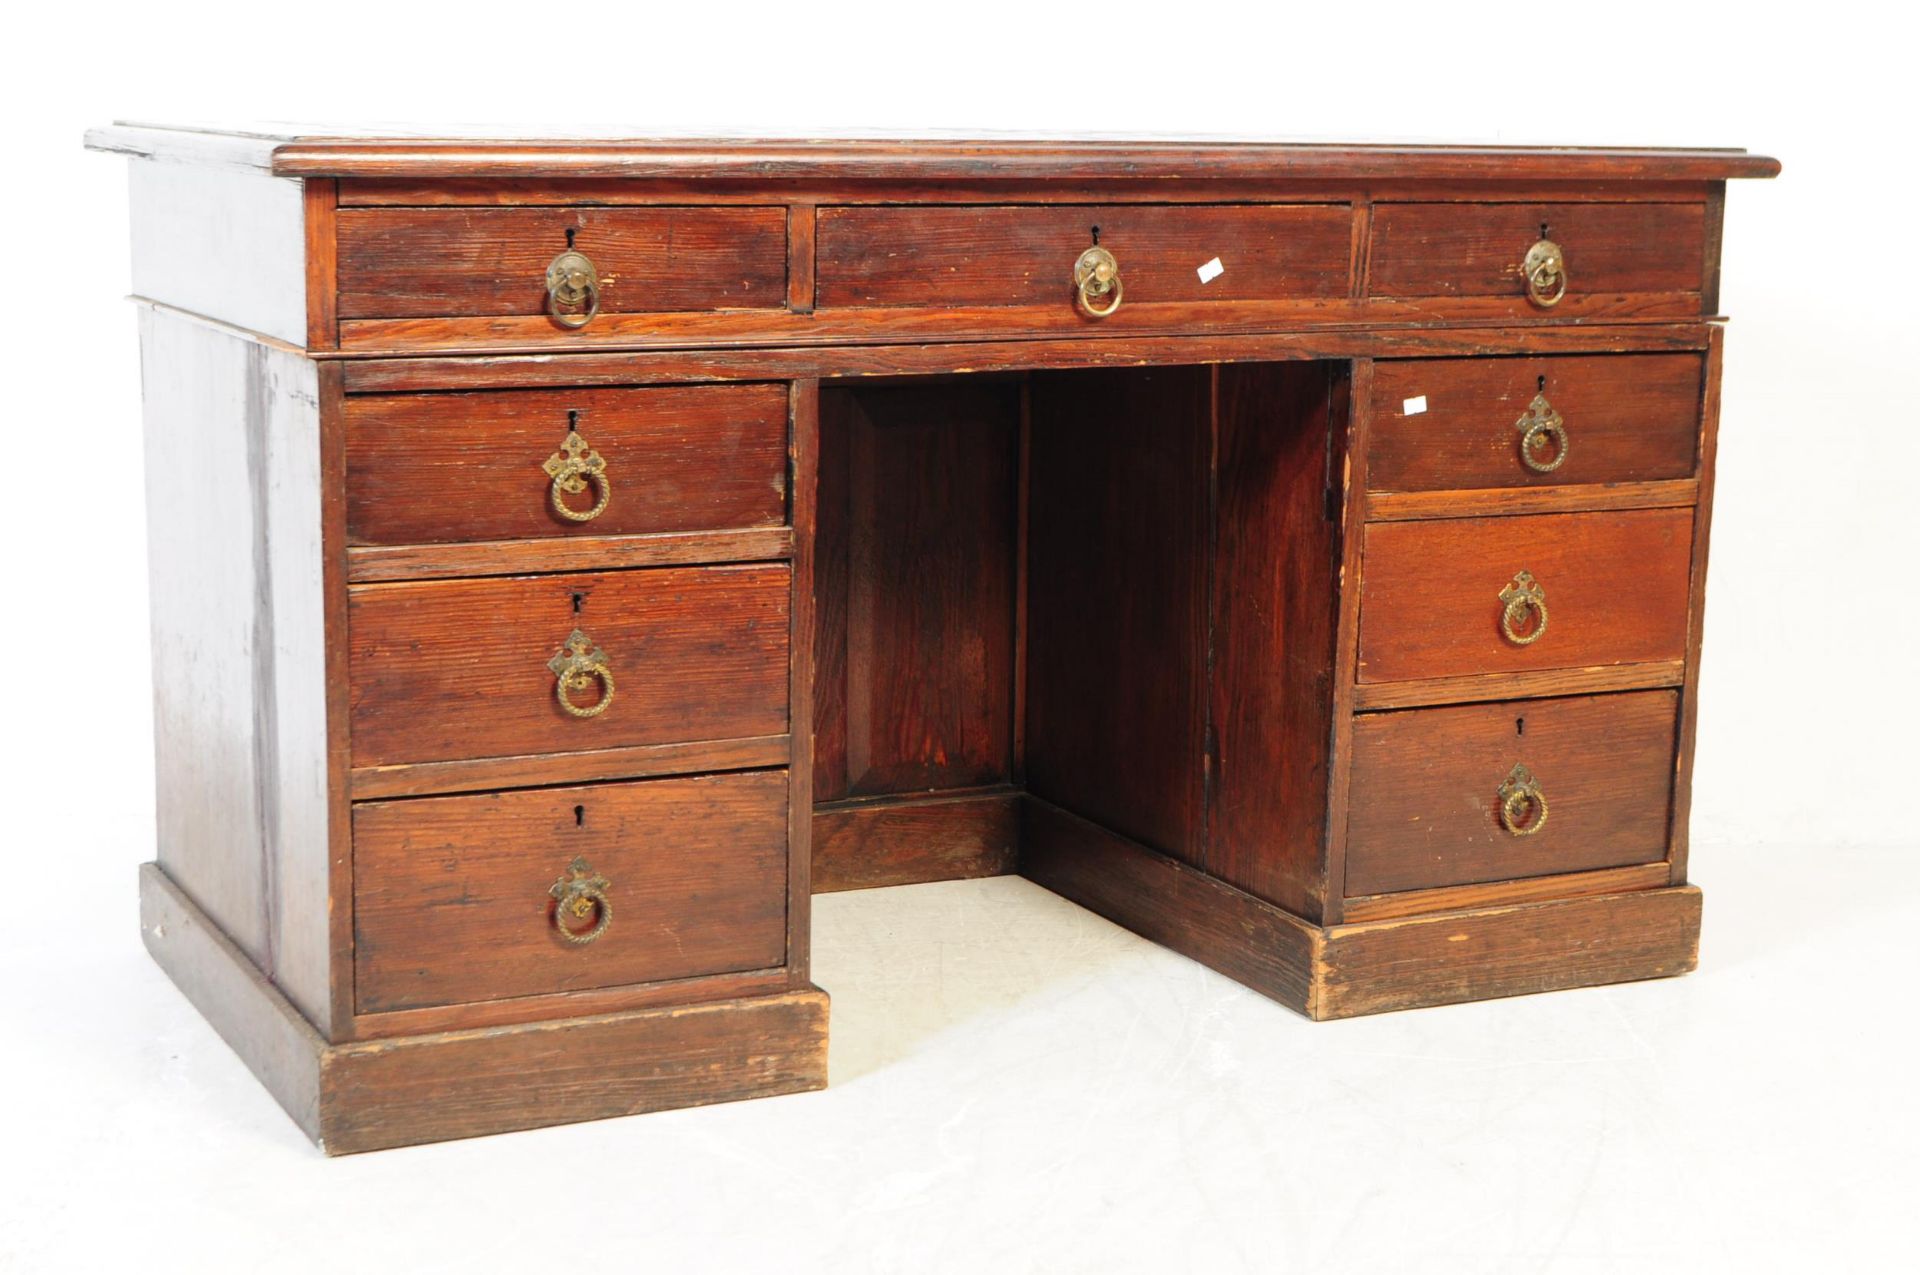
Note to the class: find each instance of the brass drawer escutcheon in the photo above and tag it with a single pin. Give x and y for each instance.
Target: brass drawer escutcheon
(573, 289)
(579, 665)
(1523, 807)
(573, 468)
(1546, 272)
(1096, 278)
(578, 894)
(1522, 596)
(1542, 426)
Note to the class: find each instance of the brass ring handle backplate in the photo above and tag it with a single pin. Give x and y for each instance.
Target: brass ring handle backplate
(573, 468)
(1546, 272)
(578, 666)
(579, 894)
(1096, 283)
(1523, 807)
(1540, 427)
(1521, 598)
(573, 289)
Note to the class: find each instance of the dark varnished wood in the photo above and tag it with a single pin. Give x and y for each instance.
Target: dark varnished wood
(368, 564)
(1471, 687)
(1275, 559)
(463, 467)
(1541, 946)
(916, 587)
(994, 256)
(372, 1094)
(940, 159)
(427, 263)
(1616, 588)
(1118, 608)
(1381, 907)
(1480, 502)
(451, 899)
(1176, 905)
(882, 841)
(448, 670)
(475, 774)
(506, 370)
(1424, 809)
(1629, 418)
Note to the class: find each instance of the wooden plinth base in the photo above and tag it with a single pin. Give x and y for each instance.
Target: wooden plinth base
(362, 1096)
(1344, 970)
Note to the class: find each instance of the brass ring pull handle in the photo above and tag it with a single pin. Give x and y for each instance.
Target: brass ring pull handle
(576, 668)
(573, 289)
(1522, 597)
(1096, 279)
(1523, 807)
(1546, 271)
(1540, 427)
(573, 468)
(581, 893)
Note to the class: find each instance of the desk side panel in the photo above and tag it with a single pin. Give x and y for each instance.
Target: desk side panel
(238, 606)
(223, 243)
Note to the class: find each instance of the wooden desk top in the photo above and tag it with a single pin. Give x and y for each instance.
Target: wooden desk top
(295, 151)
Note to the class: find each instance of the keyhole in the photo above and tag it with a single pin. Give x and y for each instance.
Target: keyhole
(579, 816)
(1096, 236)
(579, 600)
(1543, 385)
(1519, 725)
(1543, 232)
(574, 230)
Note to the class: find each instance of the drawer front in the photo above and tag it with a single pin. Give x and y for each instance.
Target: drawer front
(1654, 252)
(454, 896)
(1429, 787)
(1544, 422)
(449, 670)
(500, 464)
(1433, 595)
(1024, 256)
(397, 263)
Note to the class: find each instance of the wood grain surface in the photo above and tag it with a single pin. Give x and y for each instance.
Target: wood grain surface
(462, 467)
(1616, 588)
(1448, 250)
(1425, 807)
(1025, 255)
(455, 670)
(427, 262)
(1628, 418)
(451, 899)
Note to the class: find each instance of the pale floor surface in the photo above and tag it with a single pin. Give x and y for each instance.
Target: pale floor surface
(1020, 1086)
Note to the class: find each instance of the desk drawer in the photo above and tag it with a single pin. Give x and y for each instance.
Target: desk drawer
(454, 896)
(1429, 786)
(451, 670)
(485, 466)
(1024, 256)
(1640, 259)
(408, 263)
(1435, 597)
(1474, 423)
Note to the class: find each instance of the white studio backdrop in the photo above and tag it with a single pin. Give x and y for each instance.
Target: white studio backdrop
(1809, 684)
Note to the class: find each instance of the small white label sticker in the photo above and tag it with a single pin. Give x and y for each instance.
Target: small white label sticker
(1211, 271)
(1414, 406)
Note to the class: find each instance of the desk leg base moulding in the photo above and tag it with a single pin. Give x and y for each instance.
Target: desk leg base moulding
(567, 557)
(403, 1090)
(1341, 971)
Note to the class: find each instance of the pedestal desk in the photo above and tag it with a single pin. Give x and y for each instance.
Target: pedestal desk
(568, 556)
